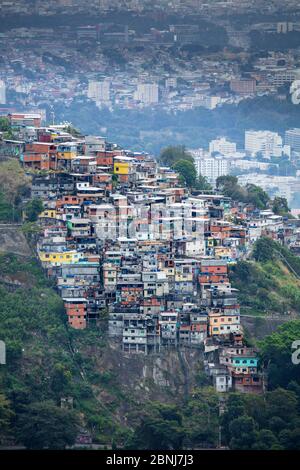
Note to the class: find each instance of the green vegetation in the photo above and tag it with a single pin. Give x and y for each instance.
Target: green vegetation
(47, 361)
(255, 422)
(192, 424)
(151, 131)
(251, 194)
(276, 351)
(268, 284)
(5, 127)
(169, 156)
(178, 158)
(262, 41)
(45, 425)
(187, 172)
(73, 131)
(5, 417)
(280, 206)
(14, 186)
(271, 421)
(33, 208)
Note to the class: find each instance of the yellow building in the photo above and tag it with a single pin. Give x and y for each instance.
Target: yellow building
(56, 259)
(121, 168)
(122, 165)
(221, 323)
(66, 151)
(48, 214)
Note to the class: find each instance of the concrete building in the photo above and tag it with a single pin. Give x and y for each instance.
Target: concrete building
(268, 143)
(147, 93)
(292, 138)
(99, 91)
(212, 167)
(222, 146)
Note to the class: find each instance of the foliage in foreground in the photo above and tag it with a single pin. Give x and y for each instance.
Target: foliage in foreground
(268, 284)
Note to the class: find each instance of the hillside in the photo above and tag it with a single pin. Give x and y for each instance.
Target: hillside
(47, 360)
(137, 402)
(268, 283)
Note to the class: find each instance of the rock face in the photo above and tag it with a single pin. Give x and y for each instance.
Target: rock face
(12, 240)
(167, 377)
(259, 327)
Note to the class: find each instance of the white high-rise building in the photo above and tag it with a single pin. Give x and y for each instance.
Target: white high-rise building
(99, 91)
(2, 92)
(292, 138)
(147, 93)
(222, 146)
(268, 143)
(212, 167)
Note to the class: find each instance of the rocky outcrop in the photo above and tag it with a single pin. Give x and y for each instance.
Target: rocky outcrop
(12, 240)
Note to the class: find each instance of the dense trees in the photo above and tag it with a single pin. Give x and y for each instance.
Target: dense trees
(248, 422)
(276, 352)
(269, 285)
(5, 127)
(45, 425)
(33, 208)
(169, 156)
(160, 428)
(40, 366)
(251, 194)
(187, 171)
(192, 424)
(178, 158)
(5, 418)
(201, 184)
(262, 423)
(280, 206)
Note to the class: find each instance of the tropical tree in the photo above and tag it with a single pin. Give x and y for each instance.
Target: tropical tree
(45, 425)
(5, 418)
(33, 208)
(172, 154)
(187, 171)
(280, 206)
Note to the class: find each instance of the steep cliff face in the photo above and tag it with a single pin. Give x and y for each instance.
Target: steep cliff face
(259, 327)
(167, 375)
(127, 382)
(12, 240)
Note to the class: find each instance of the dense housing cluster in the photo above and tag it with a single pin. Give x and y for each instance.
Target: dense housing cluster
(122, 238)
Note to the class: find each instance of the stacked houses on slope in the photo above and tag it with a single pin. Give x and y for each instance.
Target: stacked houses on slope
(121, 238)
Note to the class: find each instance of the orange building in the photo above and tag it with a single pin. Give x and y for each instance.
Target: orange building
(76, 310)
(40, 156)
(213, 271)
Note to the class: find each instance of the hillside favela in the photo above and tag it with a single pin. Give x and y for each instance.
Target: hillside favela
(150, 229)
